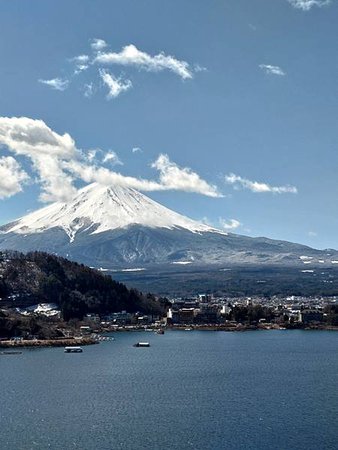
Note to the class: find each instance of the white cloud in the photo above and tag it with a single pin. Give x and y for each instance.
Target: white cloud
(106, 177)
(176, 178)
(115, 85)
(137, 150)
(80, 59)
(58, 163)
(80, 68)
(91, 154)
(88, 90)
(112, 158)
(11, 177)
(198, 68)
(255, 186)
(56, 83)
(312, 234)
(45, 148)
(98, 44)
(272, 70)
(171, 178)
(130, 55)
(306, 5)
(229, 225)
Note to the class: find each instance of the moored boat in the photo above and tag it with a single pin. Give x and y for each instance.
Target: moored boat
(73, 349)
(142, 344)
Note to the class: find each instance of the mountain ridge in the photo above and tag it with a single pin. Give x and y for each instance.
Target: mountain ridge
(118, 227)
(99, 208)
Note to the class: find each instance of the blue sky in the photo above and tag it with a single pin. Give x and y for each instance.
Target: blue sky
(249, 95)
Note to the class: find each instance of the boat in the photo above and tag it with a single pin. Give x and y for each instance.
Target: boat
(188, 329)
(73, 349)
(160, 332)
(142, 344)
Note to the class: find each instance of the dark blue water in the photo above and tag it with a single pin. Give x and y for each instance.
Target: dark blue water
(189, 390)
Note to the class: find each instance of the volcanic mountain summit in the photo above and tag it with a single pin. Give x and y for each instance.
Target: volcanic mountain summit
(118, 227)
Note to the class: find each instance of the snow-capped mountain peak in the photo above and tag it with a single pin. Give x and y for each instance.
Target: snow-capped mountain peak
(99, 208)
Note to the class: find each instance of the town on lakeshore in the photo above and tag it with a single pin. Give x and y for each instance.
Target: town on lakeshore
(200, 312)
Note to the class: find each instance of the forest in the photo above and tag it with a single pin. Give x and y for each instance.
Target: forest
(38, 277)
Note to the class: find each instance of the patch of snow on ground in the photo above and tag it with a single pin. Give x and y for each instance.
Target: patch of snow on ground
(45, 309)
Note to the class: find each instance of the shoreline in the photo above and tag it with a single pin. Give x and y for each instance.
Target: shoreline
(86, 340)
(251, 328)
(48, 342)
(210, 327)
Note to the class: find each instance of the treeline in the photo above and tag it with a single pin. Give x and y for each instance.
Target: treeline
(12, 325)
(331, 315)
(38, 277)
(251, 314)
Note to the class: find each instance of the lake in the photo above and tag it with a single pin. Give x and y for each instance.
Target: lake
(189, 390)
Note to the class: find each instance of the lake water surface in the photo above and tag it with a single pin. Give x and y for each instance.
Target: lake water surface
(190, 390)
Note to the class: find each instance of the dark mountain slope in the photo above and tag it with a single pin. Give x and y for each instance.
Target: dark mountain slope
(39, 277)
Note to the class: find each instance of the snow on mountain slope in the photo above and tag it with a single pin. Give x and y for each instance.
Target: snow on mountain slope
(98, 208)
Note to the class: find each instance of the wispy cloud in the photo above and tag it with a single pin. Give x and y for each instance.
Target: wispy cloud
(112, 158)
(80, 59)
(272, 70)
(98, 44)
(229, 225)
(96, 156)
(306, 5)
(257, 187)
(137, 150)
(91, 154)
(88, 90)
(312, 234)
(57, 164)
(58, 84)
(99, 57)
(12, 177)
(177, 178)
(81, 63)
(130, 55)
(115, 85)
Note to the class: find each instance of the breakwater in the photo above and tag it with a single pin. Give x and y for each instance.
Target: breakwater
(15, 343)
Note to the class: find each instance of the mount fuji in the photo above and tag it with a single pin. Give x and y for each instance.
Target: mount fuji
(119, 228)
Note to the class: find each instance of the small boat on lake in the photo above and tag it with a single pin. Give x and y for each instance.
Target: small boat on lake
(74, 349)
(142, 344)
(160, 332)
